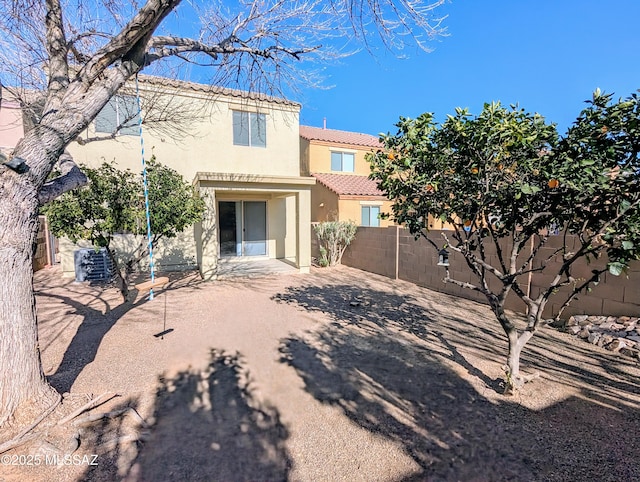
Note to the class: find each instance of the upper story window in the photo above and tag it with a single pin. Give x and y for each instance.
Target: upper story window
(342, 161)
(120, 116)
(249, 129)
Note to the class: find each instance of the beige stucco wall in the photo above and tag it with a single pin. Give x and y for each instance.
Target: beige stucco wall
(351, 209)
(208, 145)
(172, 254)
(324, 204)
(288, 216)
(318, 157)
(11, 130)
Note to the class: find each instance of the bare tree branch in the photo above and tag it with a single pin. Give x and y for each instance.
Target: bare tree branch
(57, 48)
(464, 284)
(161, 47)
(71, 177)
(120, 46)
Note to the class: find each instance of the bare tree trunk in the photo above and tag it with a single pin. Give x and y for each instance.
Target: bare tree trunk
(122, 275)
(22, 381)
(515, 380)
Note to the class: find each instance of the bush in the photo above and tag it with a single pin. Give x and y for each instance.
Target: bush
(333, 239)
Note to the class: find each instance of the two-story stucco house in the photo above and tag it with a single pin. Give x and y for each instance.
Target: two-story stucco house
(344, 192)
(241, 151)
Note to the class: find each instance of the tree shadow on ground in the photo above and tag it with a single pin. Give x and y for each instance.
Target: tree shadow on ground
(399, 376)
(376, 311)
(208, 425)
(98, 317)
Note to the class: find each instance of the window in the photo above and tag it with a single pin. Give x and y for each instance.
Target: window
(249, 129)
(342, 161)
(370, 216)
(120, 116)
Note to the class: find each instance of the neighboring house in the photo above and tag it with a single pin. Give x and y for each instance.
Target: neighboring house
(241, 150)
(344, 191)
(11, 123)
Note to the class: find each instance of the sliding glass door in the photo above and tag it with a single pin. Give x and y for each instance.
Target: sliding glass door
(243, 228)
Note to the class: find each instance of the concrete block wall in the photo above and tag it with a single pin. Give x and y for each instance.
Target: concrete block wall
(373, 250)
(393, 252)
(41, 255)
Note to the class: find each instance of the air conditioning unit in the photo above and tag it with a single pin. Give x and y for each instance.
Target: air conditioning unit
(93, 265)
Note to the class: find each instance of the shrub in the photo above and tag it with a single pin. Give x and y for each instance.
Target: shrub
(333, 239)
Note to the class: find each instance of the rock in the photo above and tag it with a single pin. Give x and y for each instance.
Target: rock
(584, 334)
(593, 338)
(579, 318)
(355, 303)
(616, 334)
(573, 330)
(605, 340)
(616, 345)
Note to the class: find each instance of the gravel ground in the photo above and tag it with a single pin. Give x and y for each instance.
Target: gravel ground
(336, 375)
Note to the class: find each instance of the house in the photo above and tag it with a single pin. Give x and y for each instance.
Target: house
(241, 151)
(344, 192)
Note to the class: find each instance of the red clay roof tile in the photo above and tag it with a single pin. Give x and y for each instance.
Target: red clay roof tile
(349, 185)
(339, 137)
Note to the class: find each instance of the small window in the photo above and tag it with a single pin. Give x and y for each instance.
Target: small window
(342, 161)
(249, 129)
(371, 216)
(120, 116)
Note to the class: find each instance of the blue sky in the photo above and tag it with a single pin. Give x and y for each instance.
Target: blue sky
(546, 55)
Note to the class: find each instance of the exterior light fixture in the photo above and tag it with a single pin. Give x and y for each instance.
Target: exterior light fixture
(443, 257)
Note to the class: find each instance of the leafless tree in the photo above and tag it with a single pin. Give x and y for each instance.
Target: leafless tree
(73, 57)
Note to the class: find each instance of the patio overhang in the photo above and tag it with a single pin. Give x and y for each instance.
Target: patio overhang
(252, 182)
(288, 218)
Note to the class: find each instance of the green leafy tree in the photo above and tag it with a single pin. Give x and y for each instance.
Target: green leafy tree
(113, 203)
(501, 180)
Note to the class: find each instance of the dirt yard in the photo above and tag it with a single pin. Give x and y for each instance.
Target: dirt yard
(336, 375)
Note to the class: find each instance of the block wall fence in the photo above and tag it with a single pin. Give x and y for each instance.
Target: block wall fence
(393, 252)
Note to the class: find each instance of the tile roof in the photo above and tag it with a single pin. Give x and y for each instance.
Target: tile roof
(215, 90)
(339, 137)
(349, 185)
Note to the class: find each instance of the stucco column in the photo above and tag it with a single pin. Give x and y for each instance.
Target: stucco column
(207, 238)
(303, 217)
